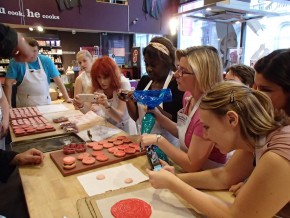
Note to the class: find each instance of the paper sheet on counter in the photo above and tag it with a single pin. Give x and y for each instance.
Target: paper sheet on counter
(52, 108)
(115, 178)
(99, 133)
(163, 203)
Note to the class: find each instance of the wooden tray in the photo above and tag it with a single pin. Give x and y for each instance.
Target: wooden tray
(46, 144)
(58, 156)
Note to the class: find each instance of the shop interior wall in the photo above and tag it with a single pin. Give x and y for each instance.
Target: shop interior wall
(71, 43)
(91, 15)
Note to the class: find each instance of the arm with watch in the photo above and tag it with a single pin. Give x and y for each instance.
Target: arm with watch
(115, 112)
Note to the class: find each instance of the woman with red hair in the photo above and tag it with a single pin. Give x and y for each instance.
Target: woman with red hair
(107, 80)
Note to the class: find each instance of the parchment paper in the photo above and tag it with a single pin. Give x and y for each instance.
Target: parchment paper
(163, 203)
(52, 108)
(115, 177)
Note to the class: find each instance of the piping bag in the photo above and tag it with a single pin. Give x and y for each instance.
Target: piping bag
(152, 98)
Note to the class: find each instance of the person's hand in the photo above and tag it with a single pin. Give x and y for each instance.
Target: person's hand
(167, 167)
(149, 139)
(102, 99)
(236, 189)
(4, 127)
(69, 100)
(157, 113)
(23, 51)
(31, 156)
(160, 179)
(77, 103)
(125, 95)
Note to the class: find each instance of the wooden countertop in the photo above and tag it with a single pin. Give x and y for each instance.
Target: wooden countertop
(49, 194)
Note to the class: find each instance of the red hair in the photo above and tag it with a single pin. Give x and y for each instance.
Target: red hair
(106, 66)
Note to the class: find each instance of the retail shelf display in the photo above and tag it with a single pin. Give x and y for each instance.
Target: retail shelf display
(53, 50)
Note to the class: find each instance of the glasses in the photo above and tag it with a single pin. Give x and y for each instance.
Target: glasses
(181, 71)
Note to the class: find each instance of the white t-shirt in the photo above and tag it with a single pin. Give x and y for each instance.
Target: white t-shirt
(127, 124)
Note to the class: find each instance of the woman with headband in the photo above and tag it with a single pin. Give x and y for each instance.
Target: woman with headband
(159, 58)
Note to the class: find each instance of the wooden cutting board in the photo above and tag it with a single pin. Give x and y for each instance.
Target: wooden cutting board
(163, 202)
(58, 156)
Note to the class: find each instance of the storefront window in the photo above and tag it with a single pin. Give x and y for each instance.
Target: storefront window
(265, 35)
(261, 36)
(224, 37)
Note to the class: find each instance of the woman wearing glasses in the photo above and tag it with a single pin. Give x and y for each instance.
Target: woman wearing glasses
(199, 69)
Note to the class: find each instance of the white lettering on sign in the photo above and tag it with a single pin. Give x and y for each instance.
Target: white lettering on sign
(2, 11)
(29, 13)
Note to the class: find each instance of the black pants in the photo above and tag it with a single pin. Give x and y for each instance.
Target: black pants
(12, 199)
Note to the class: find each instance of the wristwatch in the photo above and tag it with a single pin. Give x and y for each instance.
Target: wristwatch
(158, 137)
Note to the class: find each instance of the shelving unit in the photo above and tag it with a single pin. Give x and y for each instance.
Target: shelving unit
(3, 67)
(53, 50)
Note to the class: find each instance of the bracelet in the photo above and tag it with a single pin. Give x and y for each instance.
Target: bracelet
(158, 137)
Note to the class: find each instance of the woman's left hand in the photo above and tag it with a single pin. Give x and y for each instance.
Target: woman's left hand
(160, 179)
(148, 139)
(102, 99)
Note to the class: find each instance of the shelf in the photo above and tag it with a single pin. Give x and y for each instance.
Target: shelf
(41, 46)
(50, 54)
(4, 63)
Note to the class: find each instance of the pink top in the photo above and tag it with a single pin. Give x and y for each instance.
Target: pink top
(279, 143)
(195, 128)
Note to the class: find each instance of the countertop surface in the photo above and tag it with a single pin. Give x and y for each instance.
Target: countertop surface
(49, 194)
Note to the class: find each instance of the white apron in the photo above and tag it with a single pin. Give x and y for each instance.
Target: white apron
(142, 109)
(183, 122)
(34, 89)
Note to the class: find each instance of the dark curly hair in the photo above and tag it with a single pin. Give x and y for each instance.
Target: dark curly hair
(153, 53)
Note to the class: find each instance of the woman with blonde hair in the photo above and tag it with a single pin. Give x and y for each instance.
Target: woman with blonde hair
(199, 69)
(235, 117)
(83, 83)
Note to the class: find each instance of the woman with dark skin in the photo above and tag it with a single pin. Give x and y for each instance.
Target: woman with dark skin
(159, 58)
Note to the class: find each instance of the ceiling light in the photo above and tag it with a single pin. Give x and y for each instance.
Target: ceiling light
(173, 24)
(30, 28)
(40, 28)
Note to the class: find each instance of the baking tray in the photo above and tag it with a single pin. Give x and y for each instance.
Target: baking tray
(46, 144)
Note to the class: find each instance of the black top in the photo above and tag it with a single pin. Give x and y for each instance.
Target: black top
(8, 41)
(5, 168)
(171, 107)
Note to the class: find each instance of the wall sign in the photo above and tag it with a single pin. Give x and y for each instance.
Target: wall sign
(28, 13)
